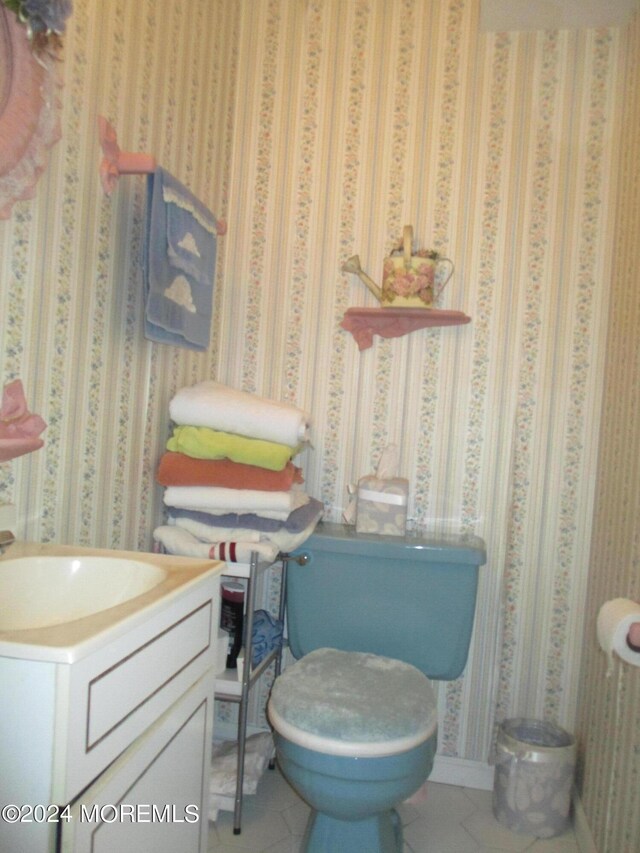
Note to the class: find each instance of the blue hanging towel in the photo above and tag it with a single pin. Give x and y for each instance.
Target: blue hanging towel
(179, 264)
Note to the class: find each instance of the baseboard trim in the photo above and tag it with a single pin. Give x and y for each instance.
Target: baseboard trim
(581, 827)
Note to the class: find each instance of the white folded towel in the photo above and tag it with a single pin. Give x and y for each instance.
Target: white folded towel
(177, 541)
(211, 404)
(276, 505)
(214, 533)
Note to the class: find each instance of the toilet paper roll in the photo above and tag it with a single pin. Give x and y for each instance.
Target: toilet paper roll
(614, 620)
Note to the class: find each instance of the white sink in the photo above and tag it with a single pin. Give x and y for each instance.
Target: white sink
(61, 603)
(38, 592)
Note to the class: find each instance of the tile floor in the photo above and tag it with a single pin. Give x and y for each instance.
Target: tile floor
(449, 820)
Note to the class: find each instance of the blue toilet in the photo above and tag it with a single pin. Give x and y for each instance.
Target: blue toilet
(370, 620)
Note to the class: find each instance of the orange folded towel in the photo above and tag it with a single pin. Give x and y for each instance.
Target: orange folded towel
(178, 469)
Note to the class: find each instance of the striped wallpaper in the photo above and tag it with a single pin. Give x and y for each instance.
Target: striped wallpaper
(354, 119)
(609, 707)
(319, 128)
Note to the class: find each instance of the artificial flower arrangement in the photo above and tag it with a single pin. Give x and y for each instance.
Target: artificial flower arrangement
(44, 20)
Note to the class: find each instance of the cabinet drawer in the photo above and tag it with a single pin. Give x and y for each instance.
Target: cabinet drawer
(116, 693)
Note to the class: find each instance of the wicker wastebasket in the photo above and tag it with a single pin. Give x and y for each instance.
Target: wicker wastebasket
(535, 764)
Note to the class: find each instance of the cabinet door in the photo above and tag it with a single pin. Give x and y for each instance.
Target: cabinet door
(155, 796)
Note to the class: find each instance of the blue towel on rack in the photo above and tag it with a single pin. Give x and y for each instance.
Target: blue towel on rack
(266, 635)
(179, 264)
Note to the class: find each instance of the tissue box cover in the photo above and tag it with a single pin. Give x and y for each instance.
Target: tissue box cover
(382, 505)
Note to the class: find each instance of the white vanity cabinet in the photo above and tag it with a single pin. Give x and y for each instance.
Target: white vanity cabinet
(112, 751)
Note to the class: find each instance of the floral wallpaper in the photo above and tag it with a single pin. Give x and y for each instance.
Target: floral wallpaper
(70, 280)
(498, 149)
(318, 129)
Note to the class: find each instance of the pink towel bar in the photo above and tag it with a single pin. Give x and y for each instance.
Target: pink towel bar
(116, 162)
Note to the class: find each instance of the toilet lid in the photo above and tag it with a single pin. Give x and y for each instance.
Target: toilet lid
(353, 703)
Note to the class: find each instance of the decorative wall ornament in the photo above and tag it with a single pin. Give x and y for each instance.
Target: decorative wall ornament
(44, 20)
(409, 278)
(29, 84)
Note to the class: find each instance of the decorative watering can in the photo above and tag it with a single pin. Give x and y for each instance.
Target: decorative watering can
(409, 280)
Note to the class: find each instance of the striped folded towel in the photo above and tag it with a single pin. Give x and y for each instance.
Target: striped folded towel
(180, 542)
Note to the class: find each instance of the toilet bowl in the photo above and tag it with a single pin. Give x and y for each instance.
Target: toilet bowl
(350, 749)
(371, 620)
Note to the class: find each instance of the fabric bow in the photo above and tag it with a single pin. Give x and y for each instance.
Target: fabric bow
(19, 428)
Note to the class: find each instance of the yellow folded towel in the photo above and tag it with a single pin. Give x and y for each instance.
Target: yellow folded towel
(205, 443)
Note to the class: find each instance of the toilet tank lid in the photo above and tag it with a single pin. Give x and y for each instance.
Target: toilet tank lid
(442, 548)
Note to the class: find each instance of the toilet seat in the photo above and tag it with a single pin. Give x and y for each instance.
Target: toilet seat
(353, 704)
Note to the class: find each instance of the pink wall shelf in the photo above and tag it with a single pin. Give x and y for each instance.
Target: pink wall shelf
(364, 323)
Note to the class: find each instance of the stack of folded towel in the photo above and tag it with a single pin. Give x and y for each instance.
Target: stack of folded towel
(231, 486)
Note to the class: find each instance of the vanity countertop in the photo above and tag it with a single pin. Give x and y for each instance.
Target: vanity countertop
(73, 640)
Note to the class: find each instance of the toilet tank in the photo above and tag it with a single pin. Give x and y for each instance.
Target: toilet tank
(407, 597)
